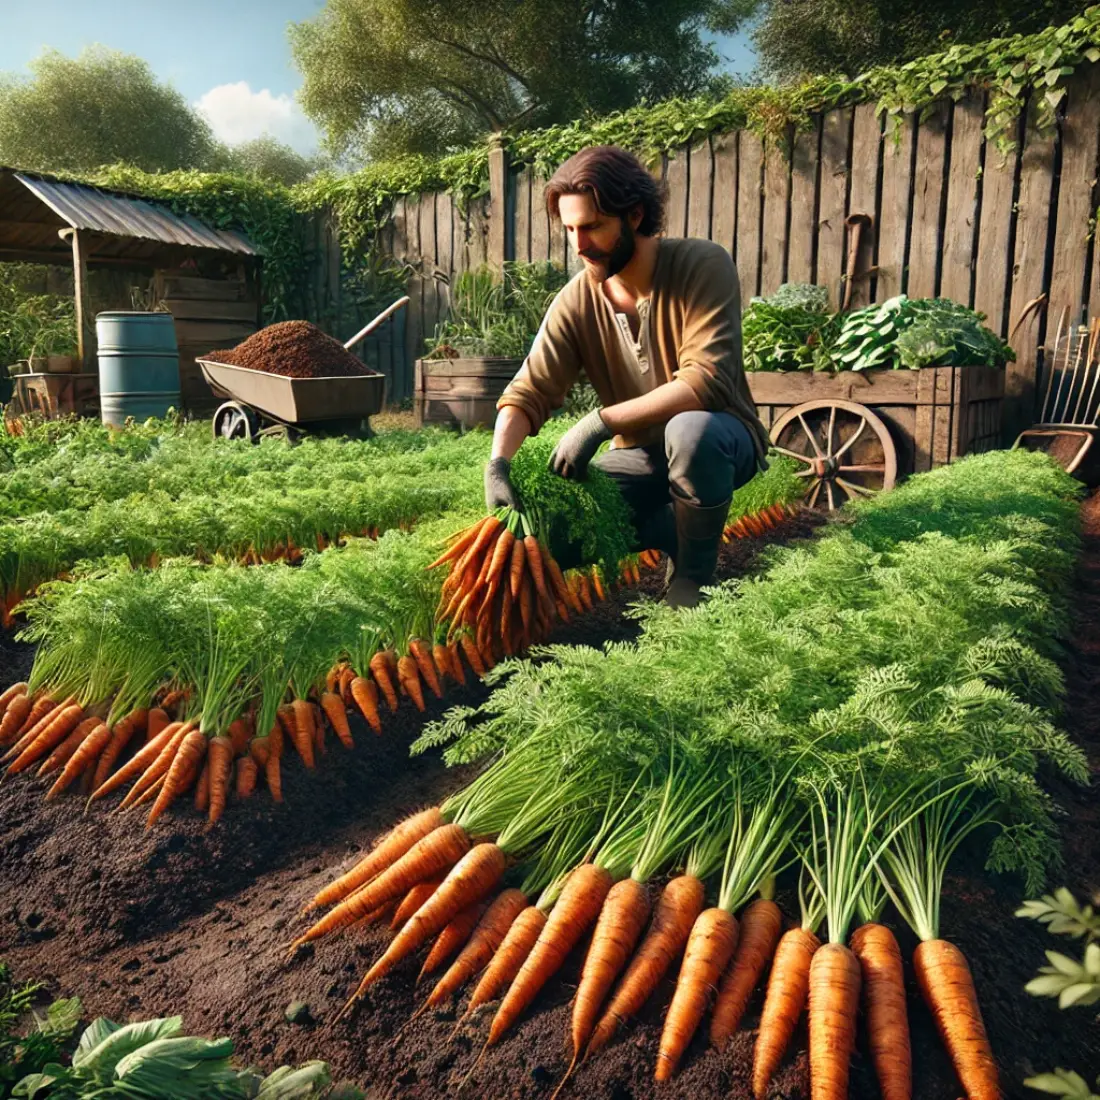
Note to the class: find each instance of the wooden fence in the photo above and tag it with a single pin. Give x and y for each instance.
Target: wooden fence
(949, 216)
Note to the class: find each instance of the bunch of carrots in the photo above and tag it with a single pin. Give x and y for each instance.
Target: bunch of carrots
(755, 524)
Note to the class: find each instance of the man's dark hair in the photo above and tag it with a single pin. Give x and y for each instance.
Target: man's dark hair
(616, 180)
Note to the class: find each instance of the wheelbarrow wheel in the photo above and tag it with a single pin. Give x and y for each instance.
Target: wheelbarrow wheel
(842, 448)
(236, 421)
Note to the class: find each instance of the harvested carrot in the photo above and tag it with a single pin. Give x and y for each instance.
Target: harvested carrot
(387, 851)
(121, 736)
(584, 590)
(761, 924)
(622, 920)
(137, 764)
(40, 708)
(182, 772)
(948, 989)
(202, 788)
(380, 670)
(597, 584)
(680, 904)
(454, 936)
(33, 727)
(318, 714)
(259, 748)
(437, 852)
(472, 655)
(220, 767)
(14, 716)
(347, 675)
(514, 951)
(365, 694)
(273, 766)
(420, 652)
(337, 714)
(86, 752)
(788, 988)
(240, 732)
(516, 567)
(834, 1003)
(10, 693)
(456, 663)
(301, 731)
(61, 753)
(538, 572)
(247, 771)
(441, 658)
(159, 767)
(884, 998)
(465, 540)
(332, 678)
(557, 581)
(157, 719)
(50, 737)
(413, 900)
(709, 949)
(579, 905)
(483, 944)
(409, 677)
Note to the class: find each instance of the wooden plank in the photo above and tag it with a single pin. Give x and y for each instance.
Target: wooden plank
(996, 221)
(963, 190)
(723, 220)
(400, 244)
(223, 290)
(677, 182)
(194, 309)
(880, 387)
(429, 245)
(866, 143)
(925, 245)
(540, 225)
(556, 236)
(699, 195)
(444, 229)
(1076, 196)
(211, 333)
(495, 235)
(332, 260)
(800, 247)
(777, 197)
(523, 215)
(897, 170)
(835, 141)
(1028, 276)
(749, 202)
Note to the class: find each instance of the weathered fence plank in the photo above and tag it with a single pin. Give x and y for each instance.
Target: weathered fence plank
(701, 176)
(924, 243)
(723, 222)
(676, 180)
(540, 225)
(893, 225)
(750, 184)
(994, 234)
(523, 216)
(836, 128)
(800, 246)
(963, 191)
(777, 197)
(863, 195)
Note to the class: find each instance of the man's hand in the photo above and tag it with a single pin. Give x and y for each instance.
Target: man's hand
(576, 449)
(499, 491)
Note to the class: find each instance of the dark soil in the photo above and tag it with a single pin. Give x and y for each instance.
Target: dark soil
(184, 920)
(295, 349)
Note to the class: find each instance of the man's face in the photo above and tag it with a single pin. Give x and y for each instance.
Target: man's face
(603, 241)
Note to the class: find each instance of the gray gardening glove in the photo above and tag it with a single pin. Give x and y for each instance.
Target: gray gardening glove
(577, 447)
(498, 486)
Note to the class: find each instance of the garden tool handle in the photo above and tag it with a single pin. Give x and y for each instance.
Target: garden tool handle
(371, 326)
(856, 224)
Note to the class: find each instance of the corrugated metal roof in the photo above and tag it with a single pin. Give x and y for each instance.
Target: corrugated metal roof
(85, 207)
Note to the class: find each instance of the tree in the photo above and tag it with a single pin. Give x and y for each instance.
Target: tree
(384, 77)
(796, 38)
(103, 107)
(269, 159)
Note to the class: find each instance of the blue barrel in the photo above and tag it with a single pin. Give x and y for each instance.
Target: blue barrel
(139, 365)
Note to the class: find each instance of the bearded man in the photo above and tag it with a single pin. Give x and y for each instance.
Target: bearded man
(655, 325)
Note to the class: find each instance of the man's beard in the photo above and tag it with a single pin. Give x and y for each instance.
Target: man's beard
(611, 263)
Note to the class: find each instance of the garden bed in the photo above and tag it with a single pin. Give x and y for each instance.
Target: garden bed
(182, 920)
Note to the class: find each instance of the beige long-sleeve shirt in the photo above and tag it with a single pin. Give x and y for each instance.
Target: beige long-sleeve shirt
(689, 329)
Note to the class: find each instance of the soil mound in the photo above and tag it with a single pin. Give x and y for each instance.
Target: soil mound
(294, 349)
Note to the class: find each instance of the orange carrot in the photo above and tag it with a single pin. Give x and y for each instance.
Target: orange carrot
(501, 558)
(42, 706)
(538, 571)
(221, 764)
(456, 663)
(681, 903)
(202, 788)
(584, 589)
(887, 1020)
(247, 771)
(171, 698)
(514, 951)
(761, 924)
(14, 716)
(579, 905)
(788, 988)
(273, 766)
(597, 584)
(387, 851)
(504, 629)
(10, 693)
(159, 767)
(472, 655)
(347, 675)
(157, 719)
(66, 720)
(259, 748)
(516, 567)
(557, 581)
(621, 921)
(380, 670)
(486, 536)
(302, 732)
(61, 754)
(337, 714)
(483, 944)
(409, 676)
(413, 900)
(365, 694)
(474, 877)
(834, 1003)
(121, 736)
(948, 989)
(185, 766)
(459, 547)
(439, 851)
(318, 729)
(441, 658)
(709, 949)
(85, 753)
(137, 764)
(240, 731)
(332, 677)
(34, 726)
(420, 652)
(457, 932)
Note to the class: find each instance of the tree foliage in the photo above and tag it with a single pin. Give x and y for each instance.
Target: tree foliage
(388, 77)
(102, 107)
(797, 38)
(267, 158)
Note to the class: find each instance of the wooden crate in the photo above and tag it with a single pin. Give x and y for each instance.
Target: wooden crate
(461, 391)
(935, 414)
(55, 395)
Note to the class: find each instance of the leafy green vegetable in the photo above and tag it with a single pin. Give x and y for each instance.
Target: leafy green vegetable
(790, 330)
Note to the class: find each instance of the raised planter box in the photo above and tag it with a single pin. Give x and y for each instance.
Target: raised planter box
(461, 391)
(935, 414)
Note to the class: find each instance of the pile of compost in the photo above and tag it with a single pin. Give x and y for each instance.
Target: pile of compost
(294, 349)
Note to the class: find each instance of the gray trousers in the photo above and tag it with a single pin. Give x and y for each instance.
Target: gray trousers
(704, 458)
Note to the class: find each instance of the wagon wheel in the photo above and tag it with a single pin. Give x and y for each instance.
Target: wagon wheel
(845, 449)
(235, 421)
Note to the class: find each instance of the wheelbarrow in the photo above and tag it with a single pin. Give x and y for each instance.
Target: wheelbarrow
(258, 404)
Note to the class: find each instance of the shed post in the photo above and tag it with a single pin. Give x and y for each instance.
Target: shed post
(85, 341)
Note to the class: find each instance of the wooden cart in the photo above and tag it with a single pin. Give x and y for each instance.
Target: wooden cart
(856, 432)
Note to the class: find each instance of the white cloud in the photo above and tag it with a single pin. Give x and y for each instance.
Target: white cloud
(236, 113)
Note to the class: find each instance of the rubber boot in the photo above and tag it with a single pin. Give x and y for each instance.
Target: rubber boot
(698, 536)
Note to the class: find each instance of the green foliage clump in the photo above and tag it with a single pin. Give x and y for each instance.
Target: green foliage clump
(789, 330)
(33, 324)
(25, 1050)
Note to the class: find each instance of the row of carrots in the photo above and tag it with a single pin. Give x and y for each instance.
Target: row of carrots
(439, 885)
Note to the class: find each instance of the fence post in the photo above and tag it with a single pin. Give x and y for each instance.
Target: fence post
(498, 203)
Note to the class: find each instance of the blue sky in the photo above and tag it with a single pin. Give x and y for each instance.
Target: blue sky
(229, 57)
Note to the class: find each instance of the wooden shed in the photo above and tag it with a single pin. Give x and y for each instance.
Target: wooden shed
(209, 279)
